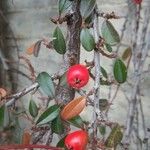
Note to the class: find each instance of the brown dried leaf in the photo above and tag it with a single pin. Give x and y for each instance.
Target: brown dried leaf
(73, 108)
(127, 53)
(3, 92)
(26, 138)
(37, 48)
(34, 48)
(30, 50)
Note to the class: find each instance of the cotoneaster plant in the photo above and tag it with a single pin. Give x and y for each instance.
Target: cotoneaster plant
(77, 76)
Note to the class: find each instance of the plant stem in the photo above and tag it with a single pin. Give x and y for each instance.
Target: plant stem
(6, 147)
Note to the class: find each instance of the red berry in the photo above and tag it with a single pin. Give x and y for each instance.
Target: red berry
(77, 140)
(77, 76)
(137, 1)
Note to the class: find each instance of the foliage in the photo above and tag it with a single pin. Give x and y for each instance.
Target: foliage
(61, 116)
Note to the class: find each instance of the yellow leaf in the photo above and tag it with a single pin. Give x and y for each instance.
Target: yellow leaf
(73, 108)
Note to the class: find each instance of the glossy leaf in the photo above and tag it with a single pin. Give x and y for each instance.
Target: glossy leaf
(103, 104)
(59, 43)
(61, 143)
(109, 33)
(108, 47)
(120, 71)
(33, 109)
(57, 125)
(104, 73)
(26, 138)
(64, 5)
(114, 137)
(77, 122)
(46, 84)
(86, 7)
(49, 115)
(73, 108)
(127, 53)
(87, 40)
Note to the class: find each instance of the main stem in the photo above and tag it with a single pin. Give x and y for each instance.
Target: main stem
(72, 56)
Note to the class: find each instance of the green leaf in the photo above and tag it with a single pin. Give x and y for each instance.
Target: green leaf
(63, 80)
(86, 7)
(4, 116)
(33, 109)
(114, 137)
(59, 43)
(127, 53)
(104, 73)
(87, 40)
(2, 112)
(46, 84)
(103, 104)
(109, 33)
(120, 71)
(57, 125)
(102, 129)
(77, 122)
(49, 115)
(64, 6)
(108, 47)
(61, 143)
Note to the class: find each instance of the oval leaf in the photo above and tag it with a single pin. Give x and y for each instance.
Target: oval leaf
(64, 5)
(33, 109)
(26, 138)
(3, 92)
(109, 33)
(61, 143)
(59, 41)
(127, 53)
(86, 7)
(102, 130)
(104, 73)
(108, 47)
(73, 108)
(114, 137)
(77, 122)
(34, 48)
(57, 126)
(4, 116)
(46, 84)
(103, 104)
(120, 71)
(2, 112)
(87, 40)
(50, 114)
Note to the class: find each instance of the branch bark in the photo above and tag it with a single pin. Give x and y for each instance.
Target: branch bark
(72, 56)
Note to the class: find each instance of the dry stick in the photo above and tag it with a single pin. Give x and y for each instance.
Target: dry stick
(97, 78)
(138, 72)
(10, 100)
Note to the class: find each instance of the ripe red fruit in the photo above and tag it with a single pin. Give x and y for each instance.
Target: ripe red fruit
(77, 140)
(137, 1)
(77, 76)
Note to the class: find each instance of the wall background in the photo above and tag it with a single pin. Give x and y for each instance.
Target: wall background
(30, 21)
